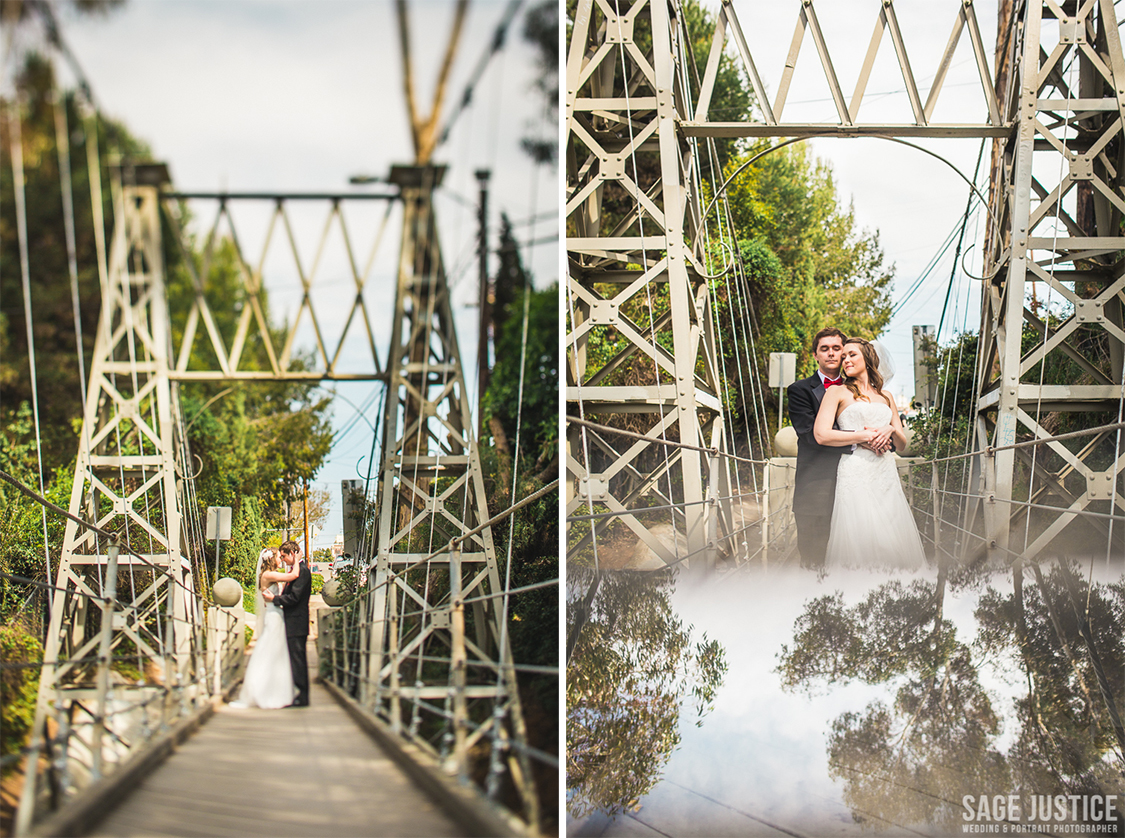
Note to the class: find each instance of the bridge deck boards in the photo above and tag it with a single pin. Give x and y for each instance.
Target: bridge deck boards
(294, 772)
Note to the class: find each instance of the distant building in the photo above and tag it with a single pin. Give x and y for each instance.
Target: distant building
(906, 407)
(338, 546)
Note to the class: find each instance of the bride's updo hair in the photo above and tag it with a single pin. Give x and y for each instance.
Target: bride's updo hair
(268, 558)
(871, 359)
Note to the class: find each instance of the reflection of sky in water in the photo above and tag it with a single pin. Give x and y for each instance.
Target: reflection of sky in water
(758, 764)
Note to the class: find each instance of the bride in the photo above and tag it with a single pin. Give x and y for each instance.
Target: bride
(269, 676)
(872, 525)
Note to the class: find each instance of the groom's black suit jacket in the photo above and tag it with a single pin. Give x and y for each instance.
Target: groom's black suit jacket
(294, 602)
(814, 490)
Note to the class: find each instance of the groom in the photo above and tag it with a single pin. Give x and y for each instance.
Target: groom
(294, 602)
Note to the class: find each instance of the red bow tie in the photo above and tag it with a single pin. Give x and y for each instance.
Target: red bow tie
(828, 382)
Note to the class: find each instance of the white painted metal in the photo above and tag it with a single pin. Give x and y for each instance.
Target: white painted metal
(632, 228)
(430, 492)
(624, 114)
(125, 482)
(1062, 160)
(232, 361)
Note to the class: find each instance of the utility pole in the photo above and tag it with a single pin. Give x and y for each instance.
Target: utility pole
(306, 502)
(485, 306)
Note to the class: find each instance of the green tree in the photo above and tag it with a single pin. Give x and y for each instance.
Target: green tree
(242, 551)
(19, 686)
(530, 537)
(632, 666)
(536, 413)
(732, 100)
(941, 715)
(541, 31)
(824, 272)
(1065, 742)
(60, 396)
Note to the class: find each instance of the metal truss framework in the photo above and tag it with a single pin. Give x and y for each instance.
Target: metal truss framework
(635, 274)
(431, 491)
(130, 476)
(252, 353)
(127, 482)
(1060, 202)
(633, 114)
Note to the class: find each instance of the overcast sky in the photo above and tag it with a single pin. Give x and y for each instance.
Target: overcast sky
(300, 95)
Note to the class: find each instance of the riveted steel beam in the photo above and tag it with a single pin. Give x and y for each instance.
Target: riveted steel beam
(431, 493)
(127, 482)
(1058, 268)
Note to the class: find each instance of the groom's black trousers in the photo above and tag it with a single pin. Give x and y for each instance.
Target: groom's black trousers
(298, 659)
(812, 538)
(814, 486)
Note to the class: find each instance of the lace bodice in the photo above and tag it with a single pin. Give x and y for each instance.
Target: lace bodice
(861, 415)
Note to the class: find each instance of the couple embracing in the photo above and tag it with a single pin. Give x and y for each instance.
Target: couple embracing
(848, 502)
(278, 673)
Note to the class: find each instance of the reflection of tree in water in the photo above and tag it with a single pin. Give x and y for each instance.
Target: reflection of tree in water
(1070, 740)
(631, 665)
(912, 762)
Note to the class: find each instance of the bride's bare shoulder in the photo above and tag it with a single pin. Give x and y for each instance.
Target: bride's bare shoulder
(839, 397)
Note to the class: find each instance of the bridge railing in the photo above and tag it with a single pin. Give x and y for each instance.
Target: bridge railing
(120, 699)
(953, 499)
(747, 523)
(453, 722)
(946, 521)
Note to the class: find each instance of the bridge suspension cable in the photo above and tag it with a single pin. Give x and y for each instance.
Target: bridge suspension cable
(16, 144)
(607, 112)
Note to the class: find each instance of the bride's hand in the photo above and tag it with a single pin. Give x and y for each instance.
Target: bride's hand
(881, 441)
(867, 439)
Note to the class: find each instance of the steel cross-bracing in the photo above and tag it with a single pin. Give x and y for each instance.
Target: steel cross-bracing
(133, 479)
(636, 104)
(253, 352)
(1057, 191)
(132, 596)
(635, 268)
(430, 493)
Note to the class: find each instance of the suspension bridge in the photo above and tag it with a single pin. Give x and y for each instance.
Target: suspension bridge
(656, 467)
(418, 693)
(666, 470)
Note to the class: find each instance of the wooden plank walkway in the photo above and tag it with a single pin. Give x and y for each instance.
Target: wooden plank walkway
(307, 771)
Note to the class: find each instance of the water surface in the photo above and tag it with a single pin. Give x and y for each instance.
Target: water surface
(771, 704)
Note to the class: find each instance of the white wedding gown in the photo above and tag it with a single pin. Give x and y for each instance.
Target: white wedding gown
(872, 525)
(269, 675)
